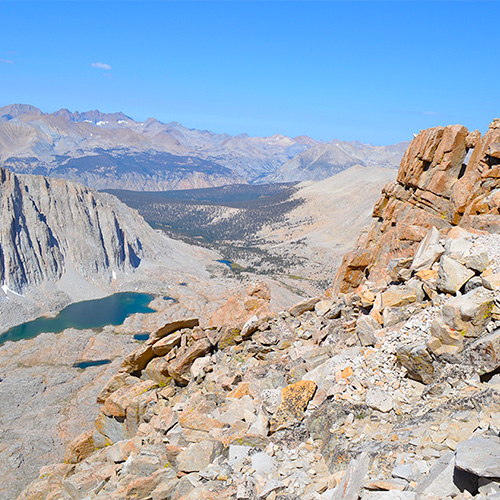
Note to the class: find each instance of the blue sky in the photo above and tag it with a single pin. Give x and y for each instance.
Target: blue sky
(370, 71)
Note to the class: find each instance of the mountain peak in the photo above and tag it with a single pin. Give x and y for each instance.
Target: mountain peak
(92, 116)
(14, 110)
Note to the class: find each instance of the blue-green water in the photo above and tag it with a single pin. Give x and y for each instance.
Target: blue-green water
(97, 313)
(88, 364)
(141, 336)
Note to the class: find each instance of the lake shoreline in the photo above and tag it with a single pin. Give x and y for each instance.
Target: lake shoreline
(93, 314)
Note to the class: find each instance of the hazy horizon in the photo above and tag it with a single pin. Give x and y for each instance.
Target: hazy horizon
(374, 72)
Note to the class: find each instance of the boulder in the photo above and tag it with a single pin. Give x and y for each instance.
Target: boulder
(469, 313)
(476, 261)
(323, 306)
(166, 344)
(164, 420)
(198, 368)
(399, 296)
(179, 367)
(117, 404)
(157, 370)
(480, 456)
(351, 482)
(116, 382)
(294, 400)
(378, 399)
(302, 307)
(439, 482)
(409, 472)
(250, 327)
(394, 315)
(171, 328)
(80, 448)
(366, 328)
(197, 456)
(444, 339)
(452, 275)
(417, 360)
(484, 353)
(138, 359)
(429, 251)
(491, 281)
(458, 248)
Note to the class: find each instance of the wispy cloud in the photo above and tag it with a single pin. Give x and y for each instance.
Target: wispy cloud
(101, 65)
(432, 113)
(6, 61)
(107, 75)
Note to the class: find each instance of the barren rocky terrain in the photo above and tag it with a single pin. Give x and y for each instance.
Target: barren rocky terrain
(384, 387)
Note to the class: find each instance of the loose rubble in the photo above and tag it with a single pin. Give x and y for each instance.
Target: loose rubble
(389, 390)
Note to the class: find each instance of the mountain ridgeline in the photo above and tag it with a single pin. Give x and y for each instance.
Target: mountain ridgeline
(112, 151)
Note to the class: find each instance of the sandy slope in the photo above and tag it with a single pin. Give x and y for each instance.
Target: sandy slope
(329, 221)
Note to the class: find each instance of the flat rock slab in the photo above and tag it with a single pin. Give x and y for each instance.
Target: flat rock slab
(378, 399)
(171, 328)
(302, 307)
(198, 455)
(439, 482)
(479, 455)
(294, 400)
(350, 485)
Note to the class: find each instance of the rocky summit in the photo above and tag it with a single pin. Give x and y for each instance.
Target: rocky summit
(386, 387)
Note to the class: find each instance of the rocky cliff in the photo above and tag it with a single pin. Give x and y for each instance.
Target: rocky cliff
(388, 392)
(50, 226)
(448, 176)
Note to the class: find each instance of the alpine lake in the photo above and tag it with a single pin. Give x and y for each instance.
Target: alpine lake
(92, 314)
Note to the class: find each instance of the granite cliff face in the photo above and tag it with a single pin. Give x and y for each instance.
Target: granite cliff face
(448, 176)
(62, 242)
(49, 226)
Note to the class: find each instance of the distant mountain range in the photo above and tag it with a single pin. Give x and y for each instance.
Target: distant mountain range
(111, 150)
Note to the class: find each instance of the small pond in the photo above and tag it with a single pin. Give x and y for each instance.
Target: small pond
(88, 364)
(232, 265)
(112, 310)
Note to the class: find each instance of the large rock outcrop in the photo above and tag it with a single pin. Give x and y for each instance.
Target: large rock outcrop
(50, 226)
(438, 185)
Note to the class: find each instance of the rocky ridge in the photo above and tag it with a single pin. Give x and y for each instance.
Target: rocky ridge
(324, 160)
(448, 176)
(388, 391)
(48, 226)
(112, 151)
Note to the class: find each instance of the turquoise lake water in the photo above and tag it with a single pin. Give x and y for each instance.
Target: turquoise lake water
(112, 310)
